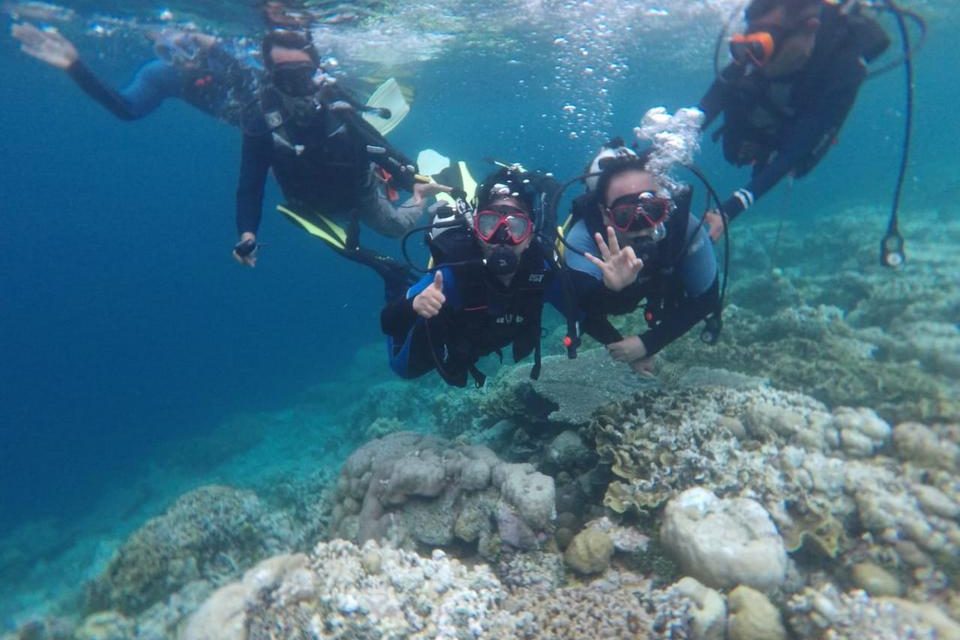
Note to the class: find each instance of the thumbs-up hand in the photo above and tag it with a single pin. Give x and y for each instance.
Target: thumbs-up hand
(428, 302)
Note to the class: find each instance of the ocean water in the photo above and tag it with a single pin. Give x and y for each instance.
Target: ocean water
(129, 336)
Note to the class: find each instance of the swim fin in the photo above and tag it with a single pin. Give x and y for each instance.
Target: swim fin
(321, 227)
(430, 162)
(388, 95)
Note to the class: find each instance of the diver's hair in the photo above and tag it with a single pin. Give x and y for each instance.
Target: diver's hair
(616, 166)
(795, 8)
(288, 40)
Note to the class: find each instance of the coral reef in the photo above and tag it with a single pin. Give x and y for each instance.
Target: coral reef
(615, 607)
(825, 612)
(753, 616)
(343, 591)
(589, 552)
(723, 543)
(840, 327)
(211, 534)
(411, 488)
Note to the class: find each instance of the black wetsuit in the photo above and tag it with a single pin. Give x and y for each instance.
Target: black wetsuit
(786, 125)
(324, 166)
(328, 175)
(480, 316)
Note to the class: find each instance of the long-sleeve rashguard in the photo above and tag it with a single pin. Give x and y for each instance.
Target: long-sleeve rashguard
(154, 82)
(219, 84)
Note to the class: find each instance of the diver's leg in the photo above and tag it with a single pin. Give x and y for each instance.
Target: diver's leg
(377, 212)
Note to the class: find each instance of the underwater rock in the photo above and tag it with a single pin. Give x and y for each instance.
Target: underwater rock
(875, 580)
(753, 616)
(626, 539)
(709, 613)
(568, 451)
(612, 607)
(920, 445)
(839, 368)
(765, 421)
(538, 570)
(106, 625)
(724, 542)
(824, 611)
(224, 616)
(413, 488)
(560, 395)
(211, 533)
(334, 596)
(589, 552)
(862, 431)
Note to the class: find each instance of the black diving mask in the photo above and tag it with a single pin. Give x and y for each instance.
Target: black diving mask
(295, 79)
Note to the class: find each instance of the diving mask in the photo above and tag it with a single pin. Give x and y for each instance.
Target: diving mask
(635, 211)
(760, 44)
(295, 79)
(503, 224)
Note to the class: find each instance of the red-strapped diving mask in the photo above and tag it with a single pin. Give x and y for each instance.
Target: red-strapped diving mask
(636, 211)
(503, 224)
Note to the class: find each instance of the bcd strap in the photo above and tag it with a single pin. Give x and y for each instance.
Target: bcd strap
(537, 363)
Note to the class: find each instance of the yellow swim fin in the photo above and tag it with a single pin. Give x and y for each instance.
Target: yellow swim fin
(389, 95)
(322, 227)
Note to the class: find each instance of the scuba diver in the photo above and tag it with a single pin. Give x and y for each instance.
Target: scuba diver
(795, 75)
(194, 67)
(334, 168)
(655, 250)
(486, 291)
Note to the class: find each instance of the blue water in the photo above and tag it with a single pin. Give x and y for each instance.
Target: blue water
(125, 324)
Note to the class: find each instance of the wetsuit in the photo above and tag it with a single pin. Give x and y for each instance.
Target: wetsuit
(221, 87)
(480, 316)
(679, 283)
(322, 167)
(786, 125)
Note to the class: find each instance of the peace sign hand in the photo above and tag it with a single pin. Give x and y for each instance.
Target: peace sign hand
(619, 266)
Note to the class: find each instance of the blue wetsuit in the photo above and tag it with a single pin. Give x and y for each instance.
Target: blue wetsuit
(680, 280)
(786, 125)
(221, 86)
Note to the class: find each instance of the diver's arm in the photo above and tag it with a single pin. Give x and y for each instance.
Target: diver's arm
(691, 311)
(712, 103)
(594, 303)
(154, 82)
(254, 165)
(398, 316)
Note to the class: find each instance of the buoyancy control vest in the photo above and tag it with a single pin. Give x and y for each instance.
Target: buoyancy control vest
(323, 149)
(758, 109)
(660, 284)
(487, 316)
